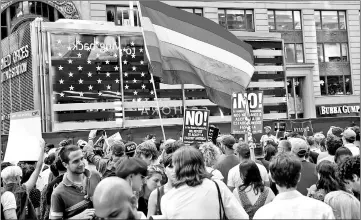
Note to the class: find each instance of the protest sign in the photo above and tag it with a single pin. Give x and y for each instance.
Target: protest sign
(240, 103)
(302, 127)
(110, 141)
(195, 126)
(213, 133)
(280, 126)
(24, 137)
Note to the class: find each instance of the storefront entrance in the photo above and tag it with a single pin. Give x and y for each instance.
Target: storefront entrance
(295, 97)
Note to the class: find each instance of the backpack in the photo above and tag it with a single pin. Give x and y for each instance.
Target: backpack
(24, 207)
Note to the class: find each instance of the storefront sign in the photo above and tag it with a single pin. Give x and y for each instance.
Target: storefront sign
(10, 64)
(345, 109)
(195, 126)
(304, 127)
(240, 104)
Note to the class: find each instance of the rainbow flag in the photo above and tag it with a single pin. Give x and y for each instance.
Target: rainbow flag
(185, 48)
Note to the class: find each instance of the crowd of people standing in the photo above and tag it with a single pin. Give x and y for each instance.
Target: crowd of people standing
(296, 177)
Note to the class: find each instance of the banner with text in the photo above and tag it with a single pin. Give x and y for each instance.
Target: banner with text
(302, 127)
(24, 137)
(213, 133)
(240, 103)
(195, 126)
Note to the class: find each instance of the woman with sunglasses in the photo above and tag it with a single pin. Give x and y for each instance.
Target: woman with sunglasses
(151, 182)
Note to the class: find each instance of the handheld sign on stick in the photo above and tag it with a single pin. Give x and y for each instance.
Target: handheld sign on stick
(195, 126)
(24, 137)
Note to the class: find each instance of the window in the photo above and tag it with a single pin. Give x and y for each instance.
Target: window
(197, 11)
(330, 20)
(236, 19)
(336, 85)
(120, 15)
(332, 52)
(284, 20)
(294, 53)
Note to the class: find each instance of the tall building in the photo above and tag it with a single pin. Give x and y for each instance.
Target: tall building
(307, 57)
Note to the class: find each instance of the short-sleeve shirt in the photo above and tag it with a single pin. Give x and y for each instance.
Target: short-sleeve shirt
(266, 138)
(234, 176)
(8, 200)
(69, 199)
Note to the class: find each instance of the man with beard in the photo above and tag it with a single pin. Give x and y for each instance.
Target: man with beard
(114, 199)
(72, 197)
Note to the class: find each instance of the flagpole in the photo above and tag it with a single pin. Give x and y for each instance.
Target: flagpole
(121, 80)
(151, 73)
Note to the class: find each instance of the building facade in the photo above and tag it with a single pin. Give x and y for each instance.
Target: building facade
(307, 57)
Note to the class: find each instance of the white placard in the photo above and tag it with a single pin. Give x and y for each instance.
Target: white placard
(24, 137)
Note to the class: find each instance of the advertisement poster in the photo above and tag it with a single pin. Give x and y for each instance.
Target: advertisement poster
(195, 126)
(241, 102)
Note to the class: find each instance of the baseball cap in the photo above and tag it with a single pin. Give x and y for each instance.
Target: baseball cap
(299, 146)
(268, 127)
(349, 134)
(130, 149)
(132, 165)
(118, 148)
(229, 141)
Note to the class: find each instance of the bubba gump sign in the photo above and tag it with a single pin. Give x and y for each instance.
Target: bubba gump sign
(344, 109)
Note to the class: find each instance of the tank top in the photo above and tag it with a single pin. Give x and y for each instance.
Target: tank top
(247, 205)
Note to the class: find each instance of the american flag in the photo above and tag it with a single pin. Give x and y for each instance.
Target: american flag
(87, 73)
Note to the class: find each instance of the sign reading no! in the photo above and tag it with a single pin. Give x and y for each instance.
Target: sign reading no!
(195, 126)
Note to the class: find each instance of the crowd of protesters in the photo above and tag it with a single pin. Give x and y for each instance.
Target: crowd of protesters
(295, 177)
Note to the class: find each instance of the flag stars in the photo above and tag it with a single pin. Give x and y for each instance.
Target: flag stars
(78, 42)
(107, 62)
(116, 80)
(134, 68)
(108, 74)
(89, 74)
(143, 86)
(80, 81)
(70, 61)
(69, 47)
(124, 49)
(134, 81)
(61, 94)
(132, 43)
(59, 41)
(88, 49)
(60, 54)
(141, 50)
(81, 94)
(100, 93)
(142, 74)
(151, 80)
(133, 55)
(89, 61)
(141, 62)
(71, 74)
(116, 68)
(99, 81)
(125, 74)
(61, 81)
(135, 92)
(126, 87)
(98, 68)
(125, 62)
(90, 87)
(71, 88)
(151, 92)
(80, 68)
(79, 55)
(115, 55)
(108, 87)
(60, 67)
(118, 93)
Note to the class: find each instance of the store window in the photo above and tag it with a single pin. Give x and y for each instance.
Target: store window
(236, 19)
(330, 20)
(294, 53)
(336, 85)
(197, 11)
(284, 20)
(24, 11)
(332, 52)
(120, 15)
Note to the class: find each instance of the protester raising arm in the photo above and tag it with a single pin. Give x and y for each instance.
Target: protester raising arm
(34, 176)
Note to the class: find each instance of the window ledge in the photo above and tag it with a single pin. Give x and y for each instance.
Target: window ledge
(300, 65)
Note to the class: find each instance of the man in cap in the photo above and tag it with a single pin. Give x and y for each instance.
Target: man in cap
(308, 172)
(348, 138)
(134, 171)
(113, 199)
(268, 137)
(228, 160)
(105, 165)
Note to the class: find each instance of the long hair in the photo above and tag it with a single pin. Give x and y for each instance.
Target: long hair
(189, 167)
(251, 176)
(328, 180)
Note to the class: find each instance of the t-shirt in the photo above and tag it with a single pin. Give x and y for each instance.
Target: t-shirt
(354, 150)
(8, 200)
(234, 176)
(308, 177)
(200, 202)
(225, 164)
